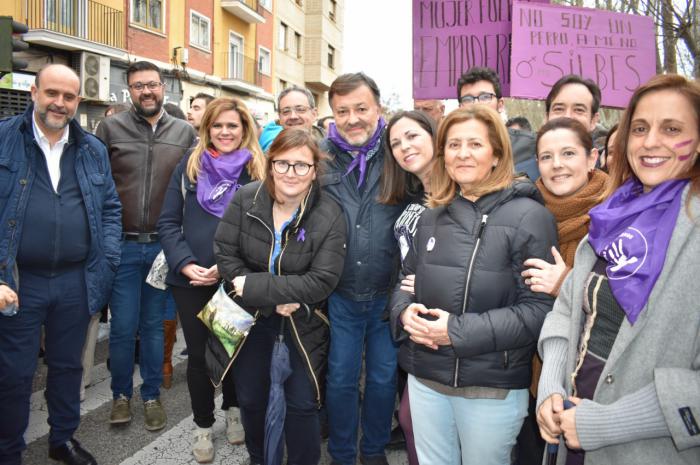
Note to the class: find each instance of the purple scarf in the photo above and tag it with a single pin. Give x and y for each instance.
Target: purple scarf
(631, 231)
(218, 178)
(360, 153)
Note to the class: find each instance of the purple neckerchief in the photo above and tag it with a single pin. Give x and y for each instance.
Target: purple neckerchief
(218, 179)
(360, 154)
(631, 231)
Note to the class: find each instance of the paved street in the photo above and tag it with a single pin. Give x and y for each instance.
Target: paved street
(132, 444)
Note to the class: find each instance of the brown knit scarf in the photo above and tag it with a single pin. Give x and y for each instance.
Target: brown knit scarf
(571, 212)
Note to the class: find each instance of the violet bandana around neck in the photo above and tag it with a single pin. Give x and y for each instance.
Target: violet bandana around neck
(361, 154)
(631, 231)
(218, 178)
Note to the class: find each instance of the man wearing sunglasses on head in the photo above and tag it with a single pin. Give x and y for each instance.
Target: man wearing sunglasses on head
(482, 86)
(145, 144)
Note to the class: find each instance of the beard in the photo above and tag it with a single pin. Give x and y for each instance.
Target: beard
(43, 114)
(148, 112)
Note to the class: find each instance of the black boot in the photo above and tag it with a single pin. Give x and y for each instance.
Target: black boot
(71, 453)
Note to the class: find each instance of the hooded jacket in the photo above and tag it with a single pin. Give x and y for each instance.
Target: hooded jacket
(467, 257)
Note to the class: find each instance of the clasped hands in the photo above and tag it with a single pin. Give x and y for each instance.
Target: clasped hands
(199, 275)
(554, 421)
(426, 332)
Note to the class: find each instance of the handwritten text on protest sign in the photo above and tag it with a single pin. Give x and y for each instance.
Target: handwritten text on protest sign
(451, 36)
(615, 50)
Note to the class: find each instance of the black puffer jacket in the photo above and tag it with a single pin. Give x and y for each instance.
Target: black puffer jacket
(310, 264)
(495, 326)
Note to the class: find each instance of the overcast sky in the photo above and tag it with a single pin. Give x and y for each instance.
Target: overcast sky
(377, 39)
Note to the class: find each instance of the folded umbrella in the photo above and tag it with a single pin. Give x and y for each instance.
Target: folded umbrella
(280, 369)
(553, 449)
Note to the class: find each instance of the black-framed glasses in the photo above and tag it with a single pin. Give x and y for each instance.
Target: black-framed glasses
(300, 168)
(139, 86)
(484, 97)
(299, 110)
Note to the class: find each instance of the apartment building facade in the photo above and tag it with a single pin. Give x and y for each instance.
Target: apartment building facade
(221, 47)
(309, 36)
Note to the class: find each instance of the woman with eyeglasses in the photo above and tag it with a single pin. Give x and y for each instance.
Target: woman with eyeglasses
(281, 247)
(226, 157)
(623, 340)
(469, 331)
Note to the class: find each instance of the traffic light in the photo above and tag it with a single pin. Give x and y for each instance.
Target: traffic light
(9, 44)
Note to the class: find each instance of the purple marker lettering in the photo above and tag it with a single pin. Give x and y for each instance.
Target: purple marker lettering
(683, 144)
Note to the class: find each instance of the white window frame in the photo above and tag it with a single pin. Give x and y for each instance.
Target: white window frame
(200, 17)
(283, 28)
(267, 70)
(146, 26)
(267, 4)
(241, 64)
(298, 44)
(333, 11)
(335, 56)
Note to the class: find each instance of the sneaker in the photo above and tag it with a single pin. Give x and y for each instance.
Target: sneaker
(154, 415)
(234, 428)
(121, 410)
(203, 446)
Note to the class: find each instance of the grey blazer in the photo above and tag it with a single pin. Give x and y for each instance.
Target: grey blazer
(646, 407)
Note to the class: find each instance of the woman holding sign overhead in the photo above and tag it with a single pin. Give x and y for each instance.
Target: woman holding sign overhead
(623, 340)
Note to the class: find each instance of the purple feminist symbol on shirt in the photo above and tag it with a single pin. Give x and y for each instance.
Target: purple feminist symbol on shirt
(301, 235)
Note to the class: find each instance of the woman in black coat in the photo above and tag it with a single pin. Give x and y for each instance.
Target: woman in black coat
(226, 157)
(281, 244)
(469, 332)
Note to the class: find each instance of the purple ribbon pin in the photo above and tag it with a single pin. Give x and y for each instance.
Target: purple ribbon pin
(301, 235)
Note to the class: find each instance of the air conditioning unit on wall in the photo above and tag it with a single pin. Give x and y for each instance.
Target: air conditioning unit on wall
(94, 76)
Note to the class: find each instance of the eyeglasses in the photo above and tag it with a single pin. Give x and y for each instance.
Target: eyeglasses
(138, 86)
(483, 97)
(300, 168)
(299, 110)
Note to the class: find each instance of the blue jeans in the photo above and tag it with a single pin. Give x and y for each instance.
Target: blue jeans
(136, 306)
(483, 429)
(358, 326)
(60, 304)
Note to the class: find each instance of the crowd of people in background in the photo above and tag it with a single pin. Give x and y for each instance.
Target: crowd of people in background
(495, 289)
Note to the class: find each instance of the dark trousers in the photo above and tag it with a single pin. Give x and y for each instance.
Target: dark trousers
(251, 373)
(60, 304)
(189, 302)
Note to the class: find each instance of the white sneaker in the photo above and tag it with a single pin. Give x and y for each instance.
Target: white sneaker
(234, 428)
(203, 447)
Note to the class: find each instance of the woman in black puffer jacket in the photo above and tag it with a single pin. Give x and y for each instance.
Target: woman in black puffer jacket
(469, 332)
(281, 244)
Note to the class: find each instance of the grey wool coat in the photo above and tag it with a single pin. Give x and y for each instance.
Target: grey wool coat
(646, 406)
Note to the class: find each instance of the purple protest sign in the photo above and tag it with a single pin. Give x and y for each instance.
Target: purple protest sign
(451, 36)
(615, 50)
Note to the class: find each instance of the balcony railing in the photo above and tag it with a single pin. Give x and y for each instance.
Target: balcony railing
(248, 10)
(243, 68)
(84, 19)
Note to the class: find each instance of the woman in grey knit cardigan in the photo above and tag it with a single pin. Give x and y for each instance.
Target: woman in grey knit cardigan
(623, 340)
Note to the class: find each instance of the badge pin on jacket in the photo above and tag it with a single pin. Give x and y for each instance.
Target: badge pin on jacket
(431, 244)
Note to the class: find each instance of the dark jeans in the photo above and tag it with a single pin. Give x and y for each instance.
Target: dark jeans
(136, 307)
(358, 327)
(189, 301)
(60, 304)
(251, 373)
